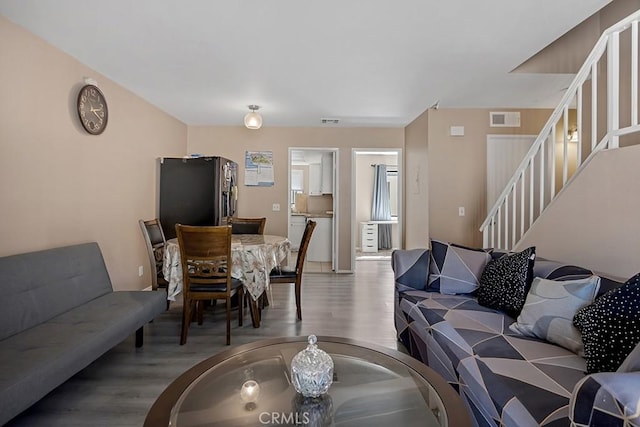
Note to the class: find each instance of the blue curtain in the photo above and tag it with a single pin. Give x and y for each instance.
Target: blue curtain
(381, 206)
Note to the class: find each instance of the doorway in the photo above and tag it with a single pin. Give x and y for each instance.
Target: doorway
(313, 194)
(504, 155)
(363, 170)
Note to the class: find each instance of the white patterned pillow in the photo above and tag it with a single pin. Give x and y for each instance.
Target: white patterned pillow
(549, 309)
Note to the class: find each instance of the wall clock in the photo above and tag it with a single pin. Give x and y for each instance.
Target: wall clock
(92, 109)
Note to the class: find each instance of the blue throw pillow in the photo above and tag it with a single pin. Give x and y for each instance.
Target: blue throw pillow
(410, 268)
(610, 327)
(456, 269)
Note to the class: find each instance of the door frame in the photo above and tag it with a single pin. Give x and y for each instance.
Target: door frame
(354, 226)
(336, 196)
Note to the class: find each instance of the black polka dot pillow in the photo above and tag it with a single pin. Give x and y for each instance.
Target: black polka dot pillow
(610, 327)
(505, 282)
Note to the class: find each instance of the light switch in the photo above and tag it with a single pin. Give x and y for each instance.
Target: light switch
(140, 271)
(461, 211)
(276, 207)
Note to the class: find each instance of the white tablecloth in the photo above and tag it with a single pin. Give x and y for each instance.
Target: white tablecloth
(253, 256)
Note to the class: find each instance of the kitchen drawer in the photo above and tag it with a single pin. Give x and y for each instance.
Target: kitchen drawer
(369, 237)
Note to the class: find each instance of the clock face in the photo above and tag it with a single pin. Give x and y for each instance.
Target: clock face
(92, 109)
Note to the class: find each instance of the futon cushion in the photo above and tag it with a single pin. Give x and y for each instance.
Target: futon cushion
(549, 309)
(610, 327)
(505, 282)
(38, 286)
(41, 358)
(455, 269)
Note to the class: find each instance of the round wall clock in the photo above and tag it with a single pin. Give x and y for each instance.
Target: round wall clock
(92, 109)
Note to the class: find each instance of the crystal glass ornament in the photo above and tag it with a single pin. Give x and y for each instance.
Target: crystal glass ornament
(313, 411)
(312, 370)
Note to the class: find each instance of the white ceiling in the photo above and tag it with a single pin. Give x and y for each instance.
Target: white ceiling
(367, 62)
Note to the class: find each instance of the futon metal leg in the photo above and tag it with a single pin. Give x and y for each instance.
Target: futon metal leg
(139, 337)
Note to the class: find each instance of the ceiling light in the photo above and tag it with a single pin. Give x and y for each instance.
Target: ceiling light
(253, 120)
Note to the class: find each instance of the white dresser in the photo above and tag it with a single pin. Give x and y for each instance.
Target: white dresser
(369, 236)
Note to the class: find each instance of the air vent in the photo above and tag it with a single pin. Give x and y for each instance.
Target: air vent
(330, 121)
(504, 119)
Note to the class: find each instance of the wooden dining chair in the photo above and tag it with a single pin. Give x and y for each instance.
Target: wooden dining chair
(284, 275)
(205, 254)
(155, 242)
(247, 225)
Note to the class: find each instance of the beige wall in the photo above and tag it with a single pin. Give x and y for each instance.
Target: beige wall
(60, 185)
(594, 221)
(457, 169)
(567, 53)
(233, 141)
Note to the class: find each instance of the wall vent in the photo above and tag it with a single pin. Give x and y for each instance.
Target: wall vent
(330, 121)
(510, 119)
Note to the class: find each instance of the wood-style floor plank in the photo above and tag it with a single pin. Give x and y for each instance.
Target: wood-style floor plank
(119, 388)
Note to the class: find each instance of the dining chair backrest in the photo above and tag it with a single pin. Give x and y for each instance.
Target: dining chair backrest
(304, 245)
(205, 254)
(206, 257)
(155, 242)
(285, 275)
(247, 225)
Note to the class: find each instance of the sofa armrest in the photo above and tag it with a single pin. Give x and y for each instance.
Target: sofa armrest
(606, 398)
(410, 269)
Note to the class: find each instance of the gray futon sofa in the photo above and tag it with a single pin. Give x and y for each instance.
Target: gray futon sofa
(58, 313)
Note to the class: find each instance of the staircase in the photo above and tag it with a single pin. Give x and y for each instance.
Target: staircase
(599, 111)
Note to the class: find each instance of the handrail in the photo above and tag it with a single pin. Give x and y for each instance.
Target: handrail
(608, 41)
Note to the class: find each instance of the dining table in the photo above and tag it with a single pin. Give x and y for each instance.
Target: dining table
(253, 256)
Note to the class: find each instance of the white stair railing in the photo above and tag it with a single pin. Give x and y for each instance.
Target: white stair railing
(574, 132)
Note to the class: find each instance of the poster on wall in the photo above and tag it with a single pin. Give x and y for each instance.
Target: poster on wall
(258, 168)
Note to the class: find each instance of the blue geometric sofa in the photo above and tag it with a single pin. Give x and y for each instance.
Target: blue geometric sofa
(505, 378)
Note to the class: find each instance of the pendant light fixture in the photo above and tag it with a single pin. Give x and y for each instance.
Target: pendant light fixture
(253, 120)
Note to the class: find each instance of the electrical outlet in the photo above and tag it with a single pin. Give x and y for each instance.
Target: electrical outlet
(276, 207)
(140, 271)
(461, 211)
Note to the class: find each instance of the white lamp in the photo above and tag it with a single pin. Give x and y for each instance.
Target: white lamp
(253, 120)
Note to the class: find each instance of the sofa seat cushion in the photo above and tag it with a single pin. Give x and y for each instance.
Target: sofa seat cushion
(44, 356)
(503, 377)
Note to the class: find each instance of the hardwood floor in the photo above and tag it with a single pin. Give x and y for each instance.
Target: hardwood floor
(118, 389)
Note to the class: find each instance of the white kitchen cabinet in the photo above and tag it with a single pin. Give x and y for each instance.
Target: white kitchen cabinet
(327, 173)
(369, 237)
(320, 247)
(315, 179)
(296, 230)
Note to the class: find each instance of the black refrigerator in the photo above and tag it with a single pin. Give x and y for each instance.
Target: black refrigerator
(196, 191)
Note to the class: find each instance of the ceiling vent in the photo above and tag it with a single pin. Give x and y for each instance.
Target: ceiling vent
(504, 119)
(330, 121)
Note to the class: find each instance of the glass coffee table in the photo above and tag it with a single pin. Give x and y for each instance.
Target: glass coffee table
(372, 386)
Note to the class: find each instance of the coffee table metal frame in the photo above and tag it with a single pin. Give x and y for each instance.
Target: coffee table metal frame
(160, 412)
